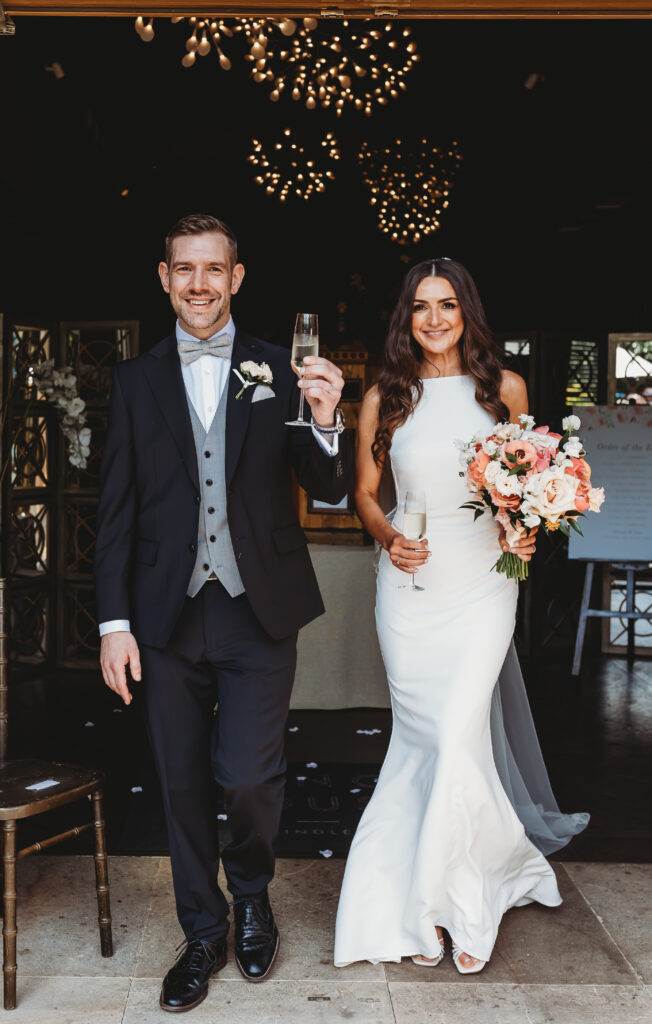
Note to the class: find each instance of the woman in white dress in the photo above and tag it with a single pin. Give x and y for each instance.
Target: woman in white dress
(440, 845)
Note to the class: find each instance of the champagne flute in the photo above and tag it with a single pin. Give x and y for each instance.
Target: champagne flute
(414, 525)
(304, 343)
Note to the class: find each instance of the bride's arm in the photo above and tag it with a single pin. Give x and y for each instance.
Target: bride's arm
(410, 553)
(513, 393)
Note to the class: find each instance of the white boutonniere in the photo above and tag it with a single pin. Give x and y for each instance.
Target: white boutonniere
(251, 373)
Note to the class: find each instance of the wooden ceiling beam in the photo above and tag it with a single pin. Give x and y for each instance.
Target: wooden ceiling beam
(413, 9)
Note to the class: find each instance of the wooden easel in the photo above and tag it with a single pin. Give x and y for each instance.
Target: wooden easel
(630, 569)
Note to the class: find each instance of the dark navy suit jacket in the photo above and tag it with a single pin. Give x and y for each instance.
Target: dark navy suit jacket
(149, 495)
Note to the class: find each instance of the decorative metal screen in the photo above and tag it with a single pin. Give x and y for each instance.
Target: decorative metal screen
(48, 506)
(92, 349)
(28, 494)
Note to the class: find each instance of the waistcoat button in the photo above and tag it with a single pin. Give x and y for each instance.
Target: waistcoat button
(212, 537)
(209, 483)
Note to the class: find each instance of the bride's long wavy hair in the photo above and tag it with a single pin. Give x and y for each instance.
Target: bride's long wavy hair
(400, 384)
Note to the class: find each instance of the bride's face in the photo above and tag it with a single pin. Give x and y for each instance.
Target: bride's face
(437, 323)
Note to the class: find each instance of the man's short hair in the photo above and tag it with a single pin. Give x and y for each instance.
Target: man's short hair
(198, 224)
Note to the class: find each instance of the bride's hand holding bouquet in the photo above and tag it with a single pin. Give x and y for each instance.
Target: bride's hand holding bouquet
(527, 476)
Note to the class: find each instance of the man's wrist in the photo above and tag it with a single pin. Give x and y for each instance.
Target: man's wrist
(336, 427)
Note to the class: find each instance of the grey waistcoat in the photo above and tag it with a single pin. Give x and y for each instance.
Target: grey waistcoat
(214, 547)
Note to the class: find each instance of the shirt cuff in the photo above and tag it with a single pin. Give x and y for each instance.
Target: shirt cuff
(330, 443)
(115, 626)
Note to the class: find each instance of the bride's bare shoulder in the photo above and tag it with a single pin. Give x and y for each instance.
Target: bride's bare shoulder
(512, 387)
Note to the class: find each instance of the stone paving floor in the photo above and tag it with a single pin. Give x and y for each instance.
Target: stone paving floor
(587, 962)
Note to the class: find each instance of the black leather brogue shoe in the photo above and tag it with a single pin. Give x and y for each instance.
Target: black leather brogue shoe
(186, 984)
(256, 936)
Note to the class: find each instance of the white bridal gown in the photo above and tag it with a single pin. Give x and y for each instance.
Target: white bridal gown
(440, 843)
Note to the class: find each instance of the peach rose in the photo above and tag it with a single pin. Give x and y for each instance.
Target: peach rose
(582, 502)
(580, 469)
(551, 494)
(506, 501)
(477, 467)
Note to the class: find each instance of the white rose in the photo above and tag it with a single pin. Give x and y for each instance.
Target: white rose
(596, 497)
(573, 448)
(570, 423)
(507, 431)
(259, 370)
(551, 493)
(508, 485)
(493, 470)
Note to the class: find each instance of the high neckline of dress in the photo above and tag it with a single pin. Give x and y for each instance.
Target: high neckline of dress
(449, 376)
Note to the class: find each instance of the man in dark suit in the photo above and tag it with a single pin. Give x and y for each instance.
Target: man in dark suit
(203, 579)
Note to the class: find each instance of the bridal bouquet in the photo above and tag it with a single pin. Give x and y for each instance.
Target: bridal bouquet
(526, 476)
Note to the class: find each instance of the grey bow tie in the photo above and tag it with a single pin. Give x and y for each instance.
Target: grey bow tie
(219, 346)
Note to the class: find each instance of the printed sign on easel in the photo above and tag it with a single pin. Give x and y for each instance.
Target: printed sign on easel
(618, 443)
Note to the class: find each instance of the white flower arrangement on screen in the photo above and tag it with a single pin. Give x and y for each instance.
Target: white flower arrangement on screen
(60, 389)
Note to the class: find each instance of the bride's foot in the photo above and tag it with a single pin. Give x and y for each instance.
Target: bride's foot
(431, 961)
(465, 963)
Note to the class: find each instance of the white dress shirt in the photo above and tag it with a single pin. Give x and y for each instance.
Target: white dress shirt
(205, 379)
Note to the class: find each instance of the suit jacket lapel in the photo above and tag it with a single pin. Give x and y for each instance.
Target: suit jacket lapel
(163, 371)
(237, 411)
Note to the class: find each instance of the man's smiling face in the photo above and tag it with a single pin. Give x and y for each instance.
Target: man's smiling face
(200, 282)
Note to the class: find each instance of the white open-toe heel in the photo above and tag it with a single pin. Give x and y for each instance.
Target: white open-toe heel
(473, 969)
(424, 961)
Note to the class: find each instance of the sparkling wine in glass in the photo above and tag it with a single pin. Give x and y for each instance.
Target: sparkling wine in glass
(304, 343)
(414, 525)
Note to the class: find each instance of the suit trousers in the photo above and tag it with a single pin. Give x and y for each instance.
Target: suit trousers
(219, 655)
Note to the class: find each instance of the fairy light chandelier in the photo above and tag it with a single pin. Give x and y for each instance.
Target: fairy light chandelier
(294, 167)
(327, 68)
(410, 186)
(320, 65)
(207, 33)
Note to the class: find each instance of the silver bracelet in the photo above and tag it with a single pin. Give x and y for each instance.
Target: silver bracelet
(337, 429)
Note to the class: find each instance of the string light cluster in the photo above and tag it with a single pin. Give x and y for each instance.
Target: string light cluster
(410, 186)
(319, 64)
(208, 32)
(295, 168)
(330, 69)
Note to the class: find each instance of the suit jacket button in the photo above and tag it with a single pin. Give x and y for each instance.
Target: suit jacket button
(192, 548)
